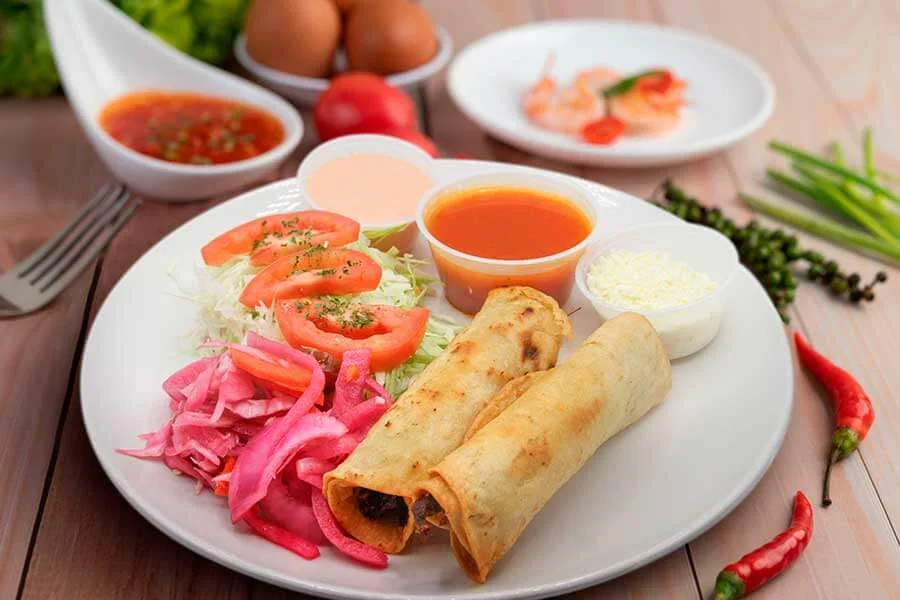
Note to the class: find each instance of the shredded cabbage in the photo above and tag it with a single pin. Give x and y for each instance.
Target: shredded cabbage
(215, 292)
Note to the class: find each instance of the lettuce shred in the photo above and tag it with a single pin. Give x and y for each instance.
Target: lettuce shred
(215, 292)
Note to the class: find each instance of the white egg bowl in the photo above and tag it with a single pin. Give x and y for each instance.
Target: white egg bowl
(687, 328)
(306, 90)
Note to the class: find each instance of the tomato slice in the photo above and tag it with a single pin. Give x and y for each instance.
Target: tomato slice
(272, 369)
(393, 334)
(269, 238)
(315, 271)
(603, 131)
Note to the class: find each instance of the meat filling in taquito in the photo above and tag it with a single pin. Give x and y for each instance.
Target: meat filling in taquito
(537, 433)
(518, 330)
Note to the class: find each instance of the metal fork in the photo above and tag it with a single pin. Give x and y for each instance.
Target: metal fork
(42, 276)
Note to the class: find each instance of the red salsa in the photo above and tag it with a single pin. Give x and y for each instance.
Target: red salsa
(190, 128)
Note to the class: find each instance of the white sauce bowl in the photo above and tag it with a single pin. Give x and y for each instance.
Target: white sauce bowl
(684, 329)
(407, 233)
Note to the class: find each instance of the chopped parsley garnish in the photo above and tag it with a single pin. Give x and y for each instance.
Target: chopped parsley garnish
(326, 272)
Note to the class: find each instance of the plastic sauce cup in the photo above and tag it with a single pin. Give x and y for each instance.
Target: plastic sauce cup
(467, 278)
(687, 328)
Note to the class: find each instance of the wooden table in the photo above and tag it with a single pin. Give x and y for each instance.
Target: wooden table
(66, 533)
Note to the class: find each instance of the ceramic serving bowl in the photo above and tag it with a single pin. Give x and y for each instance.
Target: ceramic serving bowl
(306, 90)
(101, 54)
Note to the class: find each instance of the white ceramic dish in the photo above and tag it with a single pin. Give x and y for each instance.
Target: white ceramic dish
(644, 494)
(349, 145)
(102, 54)
(729, 95)
(683, 329)
(305, 90)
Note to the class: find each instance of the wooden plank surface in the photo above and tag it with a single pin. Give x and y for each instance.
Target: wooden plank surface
(854, 553)
(835, 73)
(47, 170)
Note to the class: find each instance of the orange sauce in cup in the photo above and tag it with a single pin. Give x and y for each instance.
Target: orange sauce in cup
(506, 224)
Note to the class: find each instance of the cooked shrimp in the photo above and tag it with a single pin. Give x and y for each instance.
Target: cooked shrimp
(652, 107)
(568, 111)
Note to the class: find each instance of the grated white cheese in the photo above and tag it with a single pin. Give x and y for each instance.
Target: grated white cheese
(646, 281)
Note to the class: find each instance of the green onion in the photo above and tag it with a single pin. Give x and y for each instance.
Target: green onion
(810, 159)
(847, 237)
(869, 162)
(857, 213)
(806, 190)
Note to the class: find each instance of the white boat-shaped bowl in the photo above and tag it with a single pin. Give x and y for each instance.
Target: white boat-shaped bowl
(102, 54)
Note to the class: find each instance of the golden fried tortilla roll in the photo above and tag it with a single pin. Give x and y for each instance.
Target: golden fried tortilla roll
(517, 331)
(493, 485)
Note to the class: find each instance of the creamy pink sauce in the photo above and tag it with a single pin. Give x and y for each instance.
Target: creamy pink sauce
(373, 189)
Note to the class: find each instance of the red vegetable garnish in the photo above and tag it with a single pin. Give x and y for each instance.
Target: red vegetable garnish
(282, 537)
(269, 238)
(853, 411)
(395, 337)
(313, 272)
(603, 131)
(352, 548)
(237, 432)
(756, 568)
(362, 103)
(265, 366)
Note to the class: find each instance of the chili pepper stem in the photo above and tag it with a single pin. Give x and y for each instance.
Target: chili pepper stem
(833, 457)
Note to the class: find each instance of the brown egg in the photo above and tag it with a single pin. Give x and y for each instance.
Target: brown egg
(389, 36)
(345, 6)
(298, 37)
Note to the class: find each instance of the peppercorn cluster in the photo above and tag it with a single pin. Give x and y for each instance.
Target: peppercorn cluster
(770, 254)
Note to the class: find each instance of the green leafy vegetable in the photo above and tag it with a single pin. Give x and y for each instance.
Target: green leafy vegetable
(205, 29)
(26, 59)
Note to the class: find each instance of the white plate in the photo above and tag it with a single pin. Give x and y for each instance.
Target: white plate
(645, 493)
(729, 95)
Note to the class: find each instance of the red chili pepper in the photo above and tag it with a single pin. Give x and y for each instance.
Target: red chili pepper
(766, 562)
(603, 131)
(853, 412)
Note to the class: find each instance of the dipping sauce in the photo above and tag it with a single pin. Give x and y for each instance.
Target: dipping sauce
(190, 128)
(374, 189)
(505, 223)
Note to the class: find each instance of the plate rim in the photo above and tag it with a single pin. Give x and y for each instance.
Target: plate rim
(614, 155)
(611, 571)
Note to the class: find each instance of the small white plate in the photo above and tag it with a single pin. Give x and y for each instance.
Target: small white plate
(305, 90)
(645, 493)
(729, 95)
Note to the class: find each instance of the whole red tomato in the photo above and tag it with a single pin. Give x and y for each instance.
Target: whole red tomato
(362, 103)
(414, 137)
